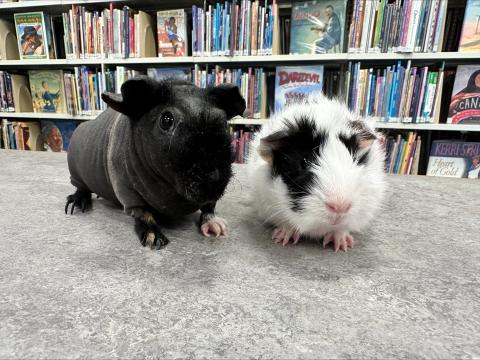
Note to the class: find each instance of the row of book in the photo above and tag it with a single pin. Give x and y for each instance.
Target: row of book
(241, 144)
(235, 28)
(401, 26)
(245, 27)
(403, 154)
(396, 93)
(36, 135)
(414, 94)
(251, 82)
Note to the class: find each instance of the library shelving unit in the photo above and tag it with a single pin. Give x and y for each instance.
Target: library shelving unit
(333, 60)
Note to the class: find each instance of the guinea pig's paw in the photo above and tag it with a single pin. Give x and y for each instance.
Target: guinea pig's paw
(216, 226)
(341, 240)
(154, 238)
(81, 199)
(283, 235)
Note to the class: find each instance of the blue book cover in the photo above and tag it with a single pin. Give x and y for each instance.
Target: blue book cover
(318, 27)
(399, 156)
(294, 83)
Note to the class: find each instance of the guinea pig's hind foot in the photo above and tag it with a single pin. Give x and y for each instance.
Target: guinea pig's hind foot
(81, 199)
(341, 240)
(284, 235)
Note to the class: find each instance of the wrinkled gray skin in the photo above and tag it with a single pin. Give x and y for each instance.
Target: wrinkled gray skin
(134, 155)
(110, 169)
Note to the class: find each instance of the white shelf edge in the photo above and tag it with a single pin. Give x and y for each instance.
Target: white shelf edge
(242, 121)
(50, 3)
(28, 115)
(442, 127)
(191, 60)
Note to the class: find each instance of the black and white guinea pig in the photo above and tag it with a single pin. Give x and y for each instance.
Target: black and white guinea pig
(317, 170)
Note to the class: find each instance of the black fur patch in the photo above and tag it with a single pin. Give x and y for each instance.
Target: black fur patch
(292, 159)
(352, 143)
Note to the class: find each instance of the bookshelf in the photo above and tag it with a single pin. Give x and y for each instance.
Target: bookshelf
(335, 61)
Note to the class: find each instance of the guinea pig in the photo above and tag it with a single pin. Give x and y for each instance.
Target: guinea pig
(316, 171)
(162, 149)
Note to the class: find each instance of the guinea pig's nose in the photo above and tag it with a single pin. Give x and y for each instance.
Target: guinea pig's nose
(338, 206)
(214, 175)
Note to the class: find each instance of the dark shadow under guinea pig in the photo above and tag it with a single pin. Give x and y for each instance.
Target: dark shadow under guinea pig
(161, 148)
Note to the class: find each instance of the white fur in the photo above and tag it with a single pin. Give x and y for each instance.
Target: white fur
(336, 177)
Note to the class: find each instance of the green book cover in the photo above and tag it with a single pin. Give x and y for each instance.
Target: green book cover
(31, 35)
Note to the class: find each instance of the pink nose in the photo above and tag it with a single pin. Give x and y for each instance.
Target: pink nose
(338, 206)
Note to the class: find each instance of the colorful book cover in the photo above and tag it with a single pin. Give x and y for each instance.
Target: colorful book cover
(454, 159)
(465, 102)
(295, 83)
(31, 35)
(470, 38)
(48, 92)
(172, 33)
(169, 73)
(317, 27)
(57, 134)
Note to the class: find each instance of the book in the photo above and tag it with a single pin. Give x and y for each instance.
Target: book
(32, 35)
(449, 158)
(170, 73)
(465, 103)
(172, 33)
(295, 83)
(57, 134)
(317, 27)
(8, 41)
(402, 154)
(47, 89)
(29, 136)
(470, 37)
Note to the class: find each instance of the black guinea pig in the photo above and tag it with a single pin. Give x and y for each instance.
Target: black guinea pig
(161, 148)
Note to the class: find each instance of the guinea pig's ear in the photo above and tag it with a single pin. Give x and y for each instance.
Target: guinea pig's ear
(365, 134)
(228, 98)
(271, 143)
(138, 96)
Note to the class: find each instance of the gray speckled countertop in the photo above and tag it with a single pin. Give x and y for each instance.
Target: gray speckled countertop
(82, 286)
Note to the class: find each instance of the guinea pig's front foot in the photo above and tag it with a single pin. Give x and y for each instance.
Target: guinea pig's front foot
(215, 225)
(211, 223)
(149, 232)
(284, 235)
(341, 240)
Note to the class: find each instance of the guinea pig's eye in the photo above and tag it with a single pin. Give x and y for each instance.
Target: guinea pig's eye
(166, 120)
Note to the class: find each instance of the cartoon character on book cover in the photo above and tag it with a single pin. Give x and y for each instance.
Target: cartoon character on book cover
(171, 33)
(454, 159)
(57, 134)
(465, 102)
(48, 94)
(295, 83)
(317, 27)
(470, 39)
(31, 35)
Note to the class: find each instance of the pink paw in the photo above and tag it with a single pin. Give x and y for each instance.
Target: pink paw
(216, 226)
(341, 240)
(284, 235)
